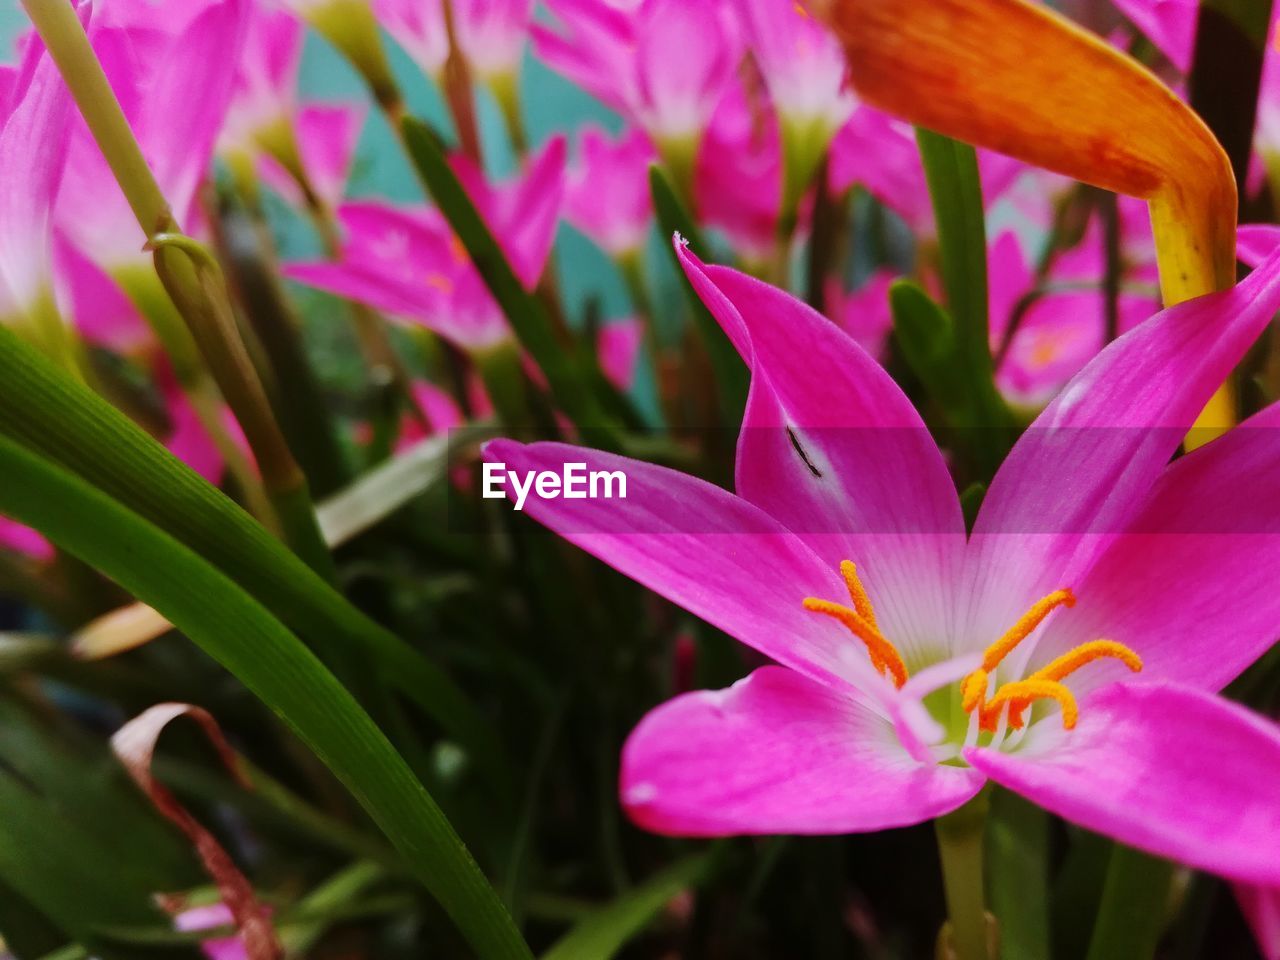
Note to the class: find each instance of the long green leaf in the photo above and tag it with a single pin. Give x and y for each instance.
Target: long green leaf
(244, 637)
(524, 311)
(72, 426)
(1134, 908)
(955, 188)
(601, 935)
(61, 868)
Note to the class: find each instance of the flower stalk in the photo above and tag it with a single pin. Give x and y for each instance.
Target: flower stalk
(967, 935)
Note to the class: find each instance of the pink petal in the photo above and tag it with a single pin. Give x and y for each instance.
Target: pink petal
(800, 59)
(738, 177)
(527, 211)
(491, 34)
(327, 138)
(35, 113)
(1191, 587)
(24, 540)
(97, 306)
(706, 550)
(171, 77)
(1255, 242)
(1167, 769)
(685, 55)
(607, 195)
(778, 753)
(619, 348)
(1169, 24)
(1077, 476)
(870, 485)
(418, 26)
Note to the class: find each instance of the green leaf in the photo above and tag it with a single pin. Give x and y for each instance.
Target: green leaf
(951, 169)
(1134, 908)
(69, 424)
(926, 338)
(244, 637)
(605, 932)
(64, 872)
(731, 375)
(527, 315)
(1018, 852)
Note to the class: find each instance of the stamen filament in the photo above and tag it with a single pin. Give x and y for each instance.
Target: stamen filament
(1023, 692)
(858, 594)
(884, 655)
(1045, 683)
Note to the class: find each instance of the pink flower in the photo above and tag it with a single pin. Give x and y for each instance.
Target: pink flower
(738, 180)
(418, 26)
(936, 659)
(1059, 331)
(1169, 24)
(607, 194)
(802, 64)
(14, 536)
(662, 63)
(167, 66)
(266, 79)
(35, 110)
(327, 135)
(618, 345)
(406, 261)
(491, 34)
(879, 152)
(210, 918)
(864, 314)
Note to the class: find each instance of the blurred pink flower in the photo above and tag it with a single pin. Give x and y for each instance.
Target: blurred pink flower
(1087, 512)
(607, 193)
(210, 918)
(406, 261)
(327, 135)
(864, 314)
(1059, 331)
(879, 153)
(418, 26)
(662, 63)
(35, 111)
(802, 64)
(14, 536)
(167, 66)
(738, 179)
(492, 34)
(618, 345)
(266, 78)
(1169, 24)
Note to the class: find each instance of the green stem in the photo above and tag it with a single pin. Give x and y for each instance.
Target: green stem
(960, 848)
(504, 380)
(1134, 906)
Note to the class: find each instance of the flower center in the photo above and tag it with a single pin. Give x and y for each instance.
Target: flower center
(1015, 696)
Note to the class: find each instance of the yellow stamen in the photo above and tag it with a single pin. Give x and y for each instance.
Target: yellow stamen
(861, 621)
(1025, 691)
(1045, 683)
(858, 593)
(1023, 628)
